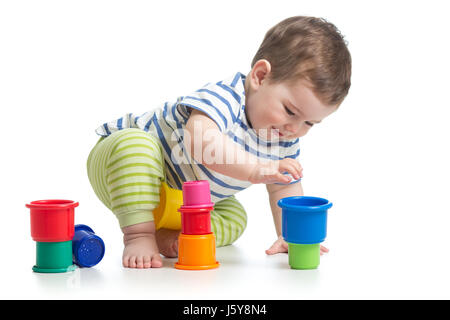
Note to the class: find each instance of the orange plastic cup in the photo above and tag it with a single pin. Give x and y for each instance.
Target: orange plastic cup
(196, 252)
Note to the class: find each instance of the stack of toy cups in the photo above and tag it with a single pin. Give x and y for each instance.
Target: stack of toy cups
(52, 227)
(196, 243)
(304, 227)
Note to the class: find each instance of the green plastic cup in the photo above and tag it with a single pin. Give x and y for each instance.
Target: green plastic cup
(304, 256)
(54, 257)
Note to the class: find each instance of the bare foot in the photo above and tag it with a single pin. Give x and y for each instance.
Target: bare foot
(141, 250)
(167, 241)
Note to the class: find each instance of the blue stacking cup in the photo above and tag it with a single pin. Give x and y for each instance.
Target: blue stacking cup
(87, 248)
(304, 219)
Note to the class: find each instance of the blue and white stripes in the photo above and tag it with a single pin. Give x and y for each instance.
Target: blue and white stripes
(223, 102)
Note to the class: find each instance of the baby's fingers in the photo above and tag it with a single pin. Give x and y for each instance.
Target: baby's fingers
(297, 167)
(291, 169)
(281, 178)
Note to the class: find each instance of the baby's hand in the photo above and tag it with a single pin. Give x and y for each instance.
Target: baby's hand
(272, 171)
(281, 246)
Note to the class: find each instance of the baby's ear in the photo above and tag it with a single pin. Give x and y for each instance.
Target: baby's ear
(259, 73)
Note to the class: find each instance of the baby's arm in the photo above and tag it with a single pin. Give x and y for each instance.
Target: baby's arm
(277, 192)
(241, 164)
(207, 139)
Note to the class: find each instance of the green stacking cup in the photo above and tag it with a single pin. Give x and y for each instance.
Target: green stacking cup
(304, 256)
(54, 257)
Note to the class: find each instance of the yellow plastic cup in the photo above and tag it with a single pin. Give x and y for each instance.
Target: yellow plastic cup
(166, 214)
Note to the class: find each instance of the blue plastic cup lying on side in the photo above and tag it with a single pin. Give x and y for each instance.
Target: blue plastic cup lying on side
(304, 219)
(88, 249)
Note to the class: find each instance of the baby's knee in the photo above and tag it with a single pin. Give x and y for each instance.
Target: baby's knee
(134, 140)
(228, 221)
(135, 151)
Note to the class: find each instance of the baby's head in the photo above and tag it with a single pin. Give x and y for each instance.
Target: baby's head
(300, 75)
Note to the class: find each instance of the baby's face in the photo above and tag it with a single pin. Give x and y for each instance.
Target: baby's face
(284, 111)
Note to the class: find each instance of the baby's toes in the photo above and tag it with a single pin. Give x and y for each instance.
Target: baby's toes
(139, 262)
(147, 261)
(125, 261)
(132, 262)
(156, 261)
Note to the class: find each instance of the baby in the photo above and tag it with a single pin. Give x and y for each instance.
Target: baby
(234, 133)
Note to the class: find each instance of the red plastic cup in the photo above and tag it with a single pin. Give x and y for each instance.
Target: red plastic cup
(195, 220)
(52, 220)
(196, 194)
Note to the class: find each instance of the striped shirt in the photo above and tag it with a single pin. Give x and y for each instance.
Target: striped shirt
(223, 102)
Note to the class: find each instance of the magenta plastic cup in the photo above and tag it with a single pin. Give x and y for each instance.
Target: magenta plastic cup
(196, 194)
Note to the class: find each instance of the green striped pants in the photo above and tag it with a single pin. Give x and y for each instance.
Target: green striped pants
(126, 169)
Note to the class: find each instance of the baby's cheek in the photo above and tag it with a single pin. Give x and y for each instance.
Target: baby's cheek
(277, 119)
(304, 130)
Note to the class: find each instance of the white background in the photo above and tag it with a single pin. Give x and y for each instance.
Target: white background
(382, 159)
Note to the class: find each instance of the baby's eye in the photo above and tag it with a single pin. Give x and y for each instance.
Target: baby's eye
(309, 123)
(289, 112)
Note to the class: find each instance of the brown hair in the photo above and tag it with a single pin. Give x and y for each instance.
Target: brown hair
(311, 49)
